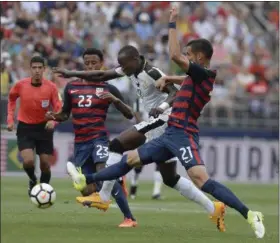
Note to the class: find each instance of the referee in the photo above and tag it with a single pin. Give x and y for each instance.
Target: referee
(37, 95)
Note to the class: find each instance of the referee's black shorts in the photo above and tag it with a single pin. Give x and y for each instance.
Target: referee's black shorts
(35, 136)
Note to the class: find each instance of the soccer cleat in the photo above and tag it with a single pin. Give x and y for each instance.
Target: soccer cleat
(128, 223)
(255, 219)
(157, 197)
(95, 201)
(79, 180)
(31, 185)
(218, 216)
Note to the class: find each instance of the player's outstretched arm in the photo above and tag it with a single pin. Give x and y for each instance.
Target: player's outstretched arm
(117, 99)
(171, 90)
(93, 76)
(64, 113)
(174, 48)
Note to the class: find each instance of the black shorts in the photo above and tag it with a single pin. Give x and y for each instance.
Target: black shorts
(35, 136)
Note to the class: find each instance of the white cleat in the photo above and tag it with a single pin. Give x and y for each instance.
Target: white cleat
(255, 219)
(73, 172)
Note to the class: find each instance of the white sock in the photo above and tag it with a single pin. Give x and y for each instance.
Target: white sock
(189, 190)
(107, 187)
(157, 183)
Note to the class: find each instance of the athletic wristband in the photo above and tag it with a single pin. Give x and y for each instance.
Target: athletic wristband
(164, 106)
(172, 25)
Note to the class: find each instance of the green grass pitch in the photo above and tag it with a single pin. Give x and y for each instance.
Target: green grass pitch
(173, 220)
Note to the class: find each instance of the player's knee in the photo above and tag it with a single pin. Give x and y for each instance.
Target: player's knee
(44, 166)
(171, 181)
(116, 146)
(133, 159)
(28, 162)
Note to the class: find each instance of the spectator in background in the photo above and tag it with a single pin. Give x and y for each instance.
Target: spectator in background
(6, 78)
(144, 29)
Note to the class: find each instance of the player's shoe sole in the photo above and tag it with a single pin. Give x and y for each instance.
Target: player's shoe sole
(79, 180)
(128, 223)
(218, 217)
(94, 201)
(255, 219)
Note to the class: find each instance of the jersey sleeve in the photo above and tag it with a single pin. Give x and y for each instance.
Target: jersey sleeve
(119, 71)
(67, 103)
(114, 91)
(197, 72)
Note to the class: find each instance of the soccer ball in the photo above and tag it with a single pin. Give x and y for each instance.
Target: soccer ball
(43, 195)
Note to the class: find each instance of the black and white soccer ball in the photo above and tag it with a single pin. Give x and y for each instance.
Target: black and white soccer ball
(43, 195)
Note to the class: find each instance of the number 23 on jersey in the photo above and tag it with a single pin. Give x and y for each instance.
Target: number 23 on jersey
(85, 100)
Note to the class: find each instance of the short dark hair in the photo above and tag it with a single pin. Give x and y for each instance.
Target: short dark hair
(93, 51)
(202, 45)
(37, 59)
(129, 51)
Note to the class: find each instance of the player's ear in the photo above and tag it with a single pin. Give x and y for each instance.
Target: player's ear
(199, 56)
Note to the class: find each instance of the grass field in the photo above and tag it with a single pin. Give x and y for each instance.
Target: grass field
(172, 220)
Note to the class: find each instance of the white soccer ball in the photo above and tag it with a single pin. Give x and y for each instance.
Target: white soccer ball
(43, 195)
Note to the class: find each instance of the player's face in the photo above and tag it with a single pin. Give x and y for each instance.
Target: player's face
(129, 65)
(92, 62)
(193, 57)
(37, 70)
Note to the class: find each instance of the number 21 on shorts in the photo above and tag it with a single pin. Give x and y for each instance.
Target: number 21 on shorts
(186, 154)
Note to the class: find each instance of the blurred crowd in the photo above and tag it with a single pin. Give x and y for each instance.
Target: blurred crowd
(246, 58)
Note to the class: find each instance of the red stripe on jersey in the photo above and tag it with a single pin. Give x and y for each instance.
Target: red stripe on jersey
(201, 93)
(194, 112)
(184, 105)
(84, 139)
(198, 103)
(175, 124)
(184, 93)
(178, 115)
(89, 110)
(192, 129)
(207, 86)
(86, 130)
(83, 91)
(82, 121)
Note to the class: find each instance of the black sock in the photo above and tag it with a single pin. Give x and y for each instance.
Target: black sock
(45, 177)
(225, 195)
(30, 171)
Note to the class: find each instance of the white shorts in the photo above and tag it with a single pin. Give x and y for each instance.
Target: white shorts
(158, 126)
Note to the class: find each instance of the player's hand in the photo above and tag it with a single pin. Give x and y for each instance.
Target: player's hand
(155, 112)
(161, 83)
(10, 127)
(50, 116)
(61, 72)
(173, 14)
(50, 125)
(108, 96)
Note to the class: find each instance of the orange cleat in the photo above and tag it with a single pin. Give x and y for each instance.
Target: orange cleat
(218, 217)
(128, 223)
(95, 201)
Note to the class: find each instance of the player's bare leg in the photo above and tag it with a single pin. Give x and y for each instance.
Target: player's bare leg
(128, 140)
(187, 189)
(29, 167)
(199, 176)
(45, 168)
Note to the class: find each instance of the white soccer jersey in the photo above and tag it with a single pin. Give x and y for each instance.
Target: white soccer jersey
(144, 83)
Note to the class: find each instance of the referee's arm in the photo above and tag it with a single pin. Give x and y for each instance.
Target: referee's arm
(13, 95)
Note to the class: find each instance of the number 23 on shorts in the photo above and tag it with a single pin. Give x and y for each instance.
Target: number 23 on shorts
(186, 154)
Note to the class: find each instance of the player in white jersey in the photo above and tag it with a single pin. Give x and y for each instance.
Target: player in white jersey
(143, 76)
